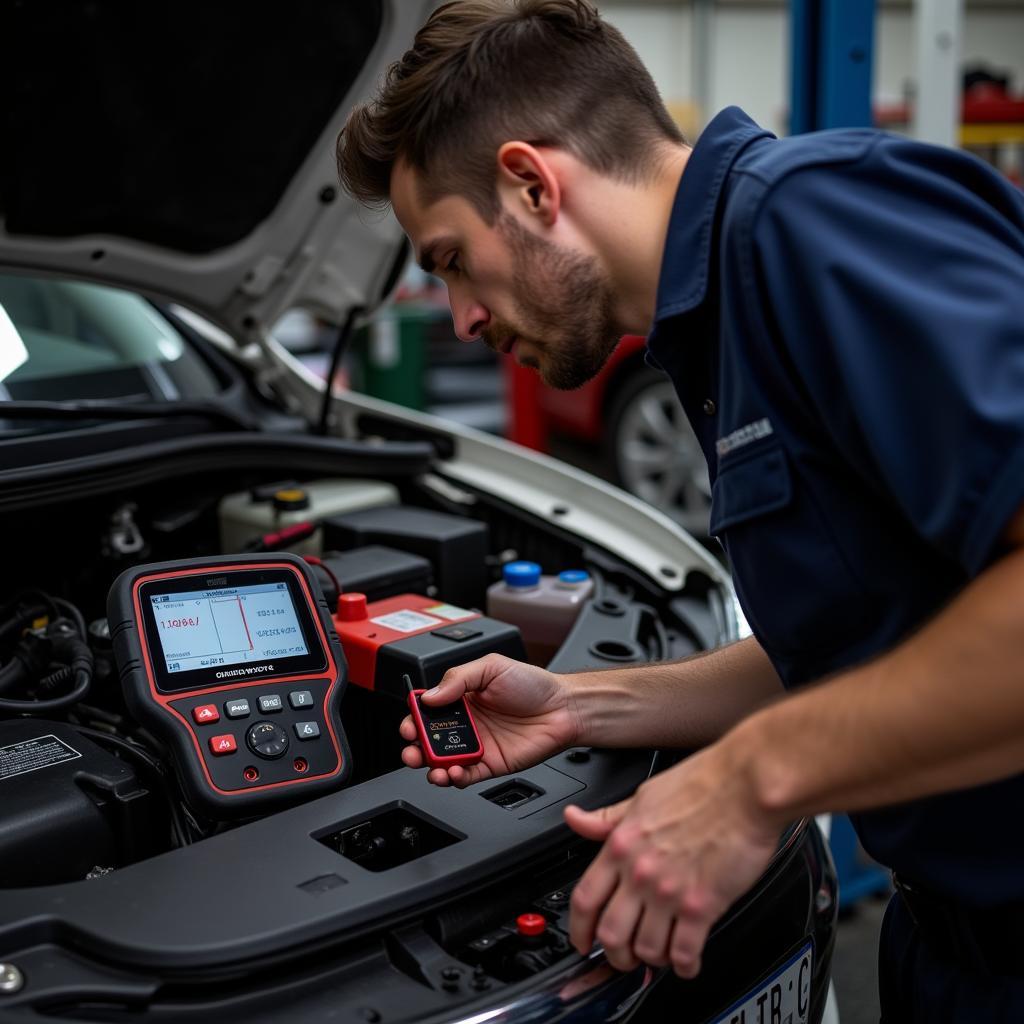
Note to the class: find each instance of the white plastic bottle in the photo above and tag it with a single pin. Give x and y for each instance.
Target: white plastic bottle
(543, 607)
(244, 517)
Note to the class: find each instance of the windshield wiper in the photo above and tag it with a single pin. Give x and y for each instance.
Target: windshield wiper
(89, 409)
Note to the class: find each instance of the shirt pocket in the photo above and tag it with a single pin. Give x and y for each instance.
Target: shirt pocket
(794, 583)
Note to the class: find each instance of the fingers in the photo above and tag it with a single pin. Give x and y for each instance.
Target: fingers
(412, 757)
(635, 926)
(589, 897)
(456, 776)
(617, 926)
(463, 679)
(688, 938)
(407, 730)
(462, 776)
(596, 825)
(654, 935)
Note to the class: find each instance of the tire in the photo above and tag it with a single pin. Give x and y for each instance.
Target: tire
(654, 453)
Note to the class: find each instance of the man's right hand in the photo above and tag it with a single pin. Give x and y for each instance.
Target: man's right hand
(523, 714)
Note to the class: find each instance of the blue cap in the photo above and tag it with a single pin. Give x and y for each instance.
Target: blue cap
(573, 576)
(521, 574)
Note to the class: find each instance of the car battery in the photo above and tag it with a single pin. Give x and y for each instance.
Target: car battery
(415, 635)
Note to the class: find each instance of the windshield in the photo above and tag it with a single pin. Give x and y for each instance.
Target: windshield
(68, 340)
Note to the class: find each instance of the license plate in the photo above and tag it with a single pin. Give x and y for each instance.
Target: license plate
(785, 998)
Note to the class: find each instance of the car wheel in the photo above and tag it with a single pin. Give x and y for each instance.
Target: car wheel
(654, 452)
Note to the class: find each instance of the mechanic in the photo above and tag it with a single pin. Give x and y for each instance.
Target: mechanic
(842, 315)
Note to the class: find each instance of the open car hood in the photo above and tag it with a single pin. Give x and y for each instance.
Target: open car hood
(186, 151)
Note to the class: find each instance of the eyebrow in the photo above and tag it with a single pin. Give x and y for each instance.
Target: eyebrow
(426, 258)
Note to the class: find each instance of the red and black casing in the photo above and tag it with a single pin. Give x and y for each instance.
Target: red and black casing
(416, 636)
(436, 734)
(223, 786)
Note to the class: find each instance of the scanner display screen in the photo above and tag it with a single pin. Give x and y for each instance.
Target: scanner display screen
(208, 630)
(229, 626)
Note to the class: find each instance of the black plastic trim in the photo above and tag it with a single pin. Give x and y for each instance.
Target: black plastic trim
(97, 474)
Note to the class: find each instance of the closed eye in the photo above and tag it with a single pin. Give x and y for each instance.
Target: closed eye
(453, 266)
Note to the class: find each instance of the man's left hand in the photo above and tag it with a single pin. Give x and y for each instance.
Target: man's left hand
(684, 847)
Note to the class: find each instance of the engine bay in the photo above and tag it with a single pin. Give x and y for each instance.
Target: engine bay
(404, 575)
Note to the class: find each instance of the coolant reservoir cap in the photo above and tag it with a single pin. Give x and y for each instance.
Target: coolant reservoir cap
(352, 607)
(291, 499)
(521, 574)
(531, 925)
(573, 576)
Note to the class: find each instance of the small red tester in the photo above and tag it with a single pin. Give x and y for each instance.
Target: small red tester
(447, 732)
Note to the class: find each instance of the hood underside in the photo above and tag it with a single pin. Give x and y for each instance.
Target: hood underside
(187, 150)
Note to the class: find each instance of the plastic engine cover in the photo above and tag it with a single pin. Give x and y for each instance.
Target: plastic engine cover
(66, 805)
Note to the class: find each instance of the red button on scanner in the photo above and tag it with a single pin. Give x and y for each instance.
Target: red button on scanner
(531, 925)
(223, 745)
(206, 714)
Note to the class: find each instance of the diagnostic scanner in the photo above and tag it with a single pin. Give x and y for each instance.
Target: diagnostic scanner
(447, 732)
(234, 663)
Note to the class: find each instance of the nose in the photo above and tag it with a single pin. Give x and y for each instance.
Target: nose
(469, 317)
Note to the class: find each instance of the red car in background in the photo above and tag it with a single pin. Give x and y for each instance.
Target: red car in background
(630, 413)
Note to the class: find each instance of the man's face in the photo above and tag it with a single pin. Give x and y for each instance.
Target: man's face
(548, 304)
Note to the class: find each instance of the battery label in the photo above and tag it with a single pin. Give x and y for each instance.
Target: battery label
(406, 621)
(449, 611)
(31, 755)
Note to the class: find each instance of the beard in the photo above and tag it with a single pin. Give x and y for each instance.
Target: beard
(563, 307)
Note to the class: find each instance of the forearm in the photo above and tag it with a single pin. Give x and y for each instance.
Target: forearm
(944, 710)
(685, 704)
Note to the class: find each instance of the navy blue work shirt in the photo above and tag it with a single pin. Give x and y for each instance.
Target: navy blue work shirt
(842, 315)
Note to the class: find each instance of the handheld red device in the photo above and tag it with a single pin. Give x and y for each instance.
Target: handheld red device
(447, 732)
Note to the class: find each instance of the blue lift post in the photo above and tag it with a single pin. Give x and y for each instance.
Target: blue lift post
(831, 46)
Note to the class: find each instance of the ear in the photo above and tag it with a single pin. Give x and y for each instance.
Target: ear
(529, 179)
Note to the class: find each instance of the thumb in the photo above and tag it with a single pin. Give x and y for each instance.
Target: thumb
(596, 825)
(463, 679)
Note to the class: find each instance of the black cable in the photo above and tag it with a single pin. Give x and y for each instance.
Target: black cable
(61, 646)
(55, 679)
(319, 562)
(659, 631)
(340, 346)
(11, 674)
(17, 615)
(74, 614)
(30, 659)
(108, 718)
(83, 680)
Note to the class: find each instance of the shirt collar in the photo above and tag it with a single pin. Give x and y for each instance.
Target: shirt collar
(685, 264)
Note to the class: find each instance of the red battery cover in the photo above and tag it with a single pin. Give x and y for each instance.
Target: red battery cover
(432, 743)
(397, 618)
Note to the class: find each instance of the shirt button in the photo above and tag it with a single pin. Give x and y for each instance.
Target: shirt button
(709, 407)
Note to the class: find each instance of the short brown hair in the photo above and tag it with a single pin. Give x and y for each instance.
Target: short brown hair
(483, 72)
